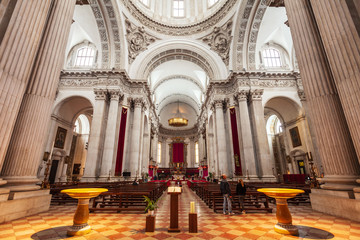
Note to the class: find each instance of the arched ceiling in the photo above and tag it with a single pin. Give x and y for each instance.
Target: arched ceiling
(178, 81)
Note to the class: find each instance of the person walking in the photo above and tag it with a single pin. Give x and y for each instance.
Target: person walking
(241, 191)
(226, 192)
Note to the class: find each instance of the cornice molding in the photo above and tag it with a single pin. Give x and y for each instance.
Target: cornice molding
(179, 30)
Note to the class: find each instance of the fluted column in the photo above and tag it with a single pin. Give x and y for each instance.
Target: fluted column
(211, 154)
(337, 28)
(262, 150)
(155, 141)
(135, 136)
(247, 147)
(26, 148)
(336, 148)
(17, 55)
(223, 161)
(110, 134)
(96, 134)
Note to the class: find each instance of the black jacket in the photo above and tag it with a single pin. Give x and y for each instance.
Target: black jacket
(225, 187)
(240, 190)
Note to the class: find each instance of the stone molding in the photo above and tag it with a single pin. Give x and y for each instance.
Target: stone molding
(179, 30)
(260, 12)
(138, 40)
(256, 95)
(302, 95)
(166, 133)
(220, 40)
(100, 94)
(241, 96)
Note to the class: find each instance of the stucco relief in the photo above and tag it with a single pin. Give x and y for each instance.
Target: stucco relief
(182, 30)
(138, 40)
(219, 41)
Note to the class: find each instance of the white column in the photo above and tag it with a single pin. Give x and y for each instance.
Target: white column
(27, 141)
(95, 138)
(246, 143)
(211, 153)
(260, 136)
(220, 138)
(135, 136)
(110, 134)
(18, 51)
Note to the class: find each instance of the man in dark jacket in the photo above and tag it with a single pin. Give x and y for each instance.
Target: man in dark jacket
(241, 191)
(226, 192)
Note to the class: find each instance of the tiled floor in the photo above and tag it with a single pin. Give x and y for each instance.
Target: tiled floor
(52, 224)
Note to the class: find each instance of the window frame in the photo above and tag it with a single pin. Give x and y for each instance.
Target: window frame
(173, 9)
(283, 54)
(72, 56)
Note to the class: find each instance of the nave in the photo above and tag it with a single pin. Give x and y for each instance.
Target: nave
(53, 223)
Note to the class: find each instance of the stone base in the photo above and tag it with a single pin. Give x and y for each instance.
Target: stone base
(335, 203)
(4, 194)
(18, 208)
(268, 178)
(286, 229)
(78, 230)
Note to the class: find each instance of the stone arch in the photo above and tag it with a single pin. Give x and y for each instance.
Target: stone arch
(187, 50)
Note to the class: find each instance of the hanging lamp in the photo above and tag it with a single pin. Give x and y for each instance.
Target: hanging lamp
(178, 120)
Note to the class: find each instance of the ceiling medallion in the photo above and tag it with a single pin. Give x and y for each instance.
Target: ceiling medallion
(178, 120)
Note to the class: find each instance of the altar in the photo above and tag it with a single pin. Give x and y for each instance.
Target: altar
(178, 161)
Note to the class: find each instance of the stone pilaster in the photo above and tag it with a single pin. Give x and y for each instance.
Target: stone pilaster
(262, 150)
(110, 134)
(26, 148)
(96, 135)
(223, 161)
(336, 148)
(337, 28)
(17, 55)
(135, 137)
(246, 146)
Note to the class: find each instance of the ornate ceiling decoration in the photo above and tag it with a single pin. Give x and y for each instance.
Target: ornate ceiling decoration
(180, 30)
(219, 41)
(138, 40)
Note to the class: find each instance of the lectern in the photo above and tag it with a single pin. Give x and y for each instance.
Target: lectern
(174, 208)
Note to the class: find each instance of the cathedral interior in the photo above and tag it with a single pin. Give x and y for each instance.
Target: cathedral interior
(109, 93)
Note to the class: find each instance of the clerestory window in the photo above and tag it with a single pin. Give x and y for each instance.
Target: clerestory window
(271, 58)
(178, 8)
(85, 57)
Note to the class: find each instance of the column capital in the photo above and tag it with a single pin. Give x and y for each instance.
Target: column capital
(242, 95)
(302, 95)
(218, 103)
(256, 94)
(100, 94)
(114, 94)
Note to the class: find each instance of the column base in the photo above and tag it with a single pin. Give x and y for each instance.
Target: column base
(79, 230)
(337, 203)
(4, 192)
(357, 190)
(338, 183)
(18, 208)
(88, 179)
(22, 184)
(286, 229)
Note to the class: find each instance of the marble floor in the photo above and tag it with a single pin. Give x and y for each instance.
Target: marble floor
(52, 224)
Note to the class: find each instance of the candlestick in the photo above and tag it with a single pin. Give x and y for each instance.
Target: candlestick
(192, 207)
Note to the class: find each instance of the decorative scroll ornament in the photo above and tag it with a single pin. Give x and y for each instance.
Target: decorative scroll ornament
(138, 40)
(219, 41)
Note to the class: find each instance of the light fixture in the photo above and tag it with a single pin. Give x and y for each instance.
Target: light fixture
(178, 120)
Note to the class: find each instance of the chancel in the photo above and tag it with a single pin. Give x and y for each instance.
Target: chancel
(135, 96)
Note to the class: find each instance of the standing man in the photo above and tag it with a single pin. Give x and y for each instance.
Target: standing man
(241, 191)
(226, 192)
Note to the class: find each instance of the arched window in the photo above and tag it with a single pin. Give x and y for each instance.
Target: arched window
(178, 8)
(82, 125)
(196, 152)
(273, 125)
(271, 58)
(85, 57)
(159, 152)
(212, 2)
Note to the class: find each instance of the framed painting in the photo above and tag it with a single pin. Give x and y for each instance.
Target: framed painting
(295, 137)
(60, 138)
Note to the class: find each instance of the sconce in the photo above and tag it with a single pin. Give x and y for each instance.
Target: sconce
(46, 156)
